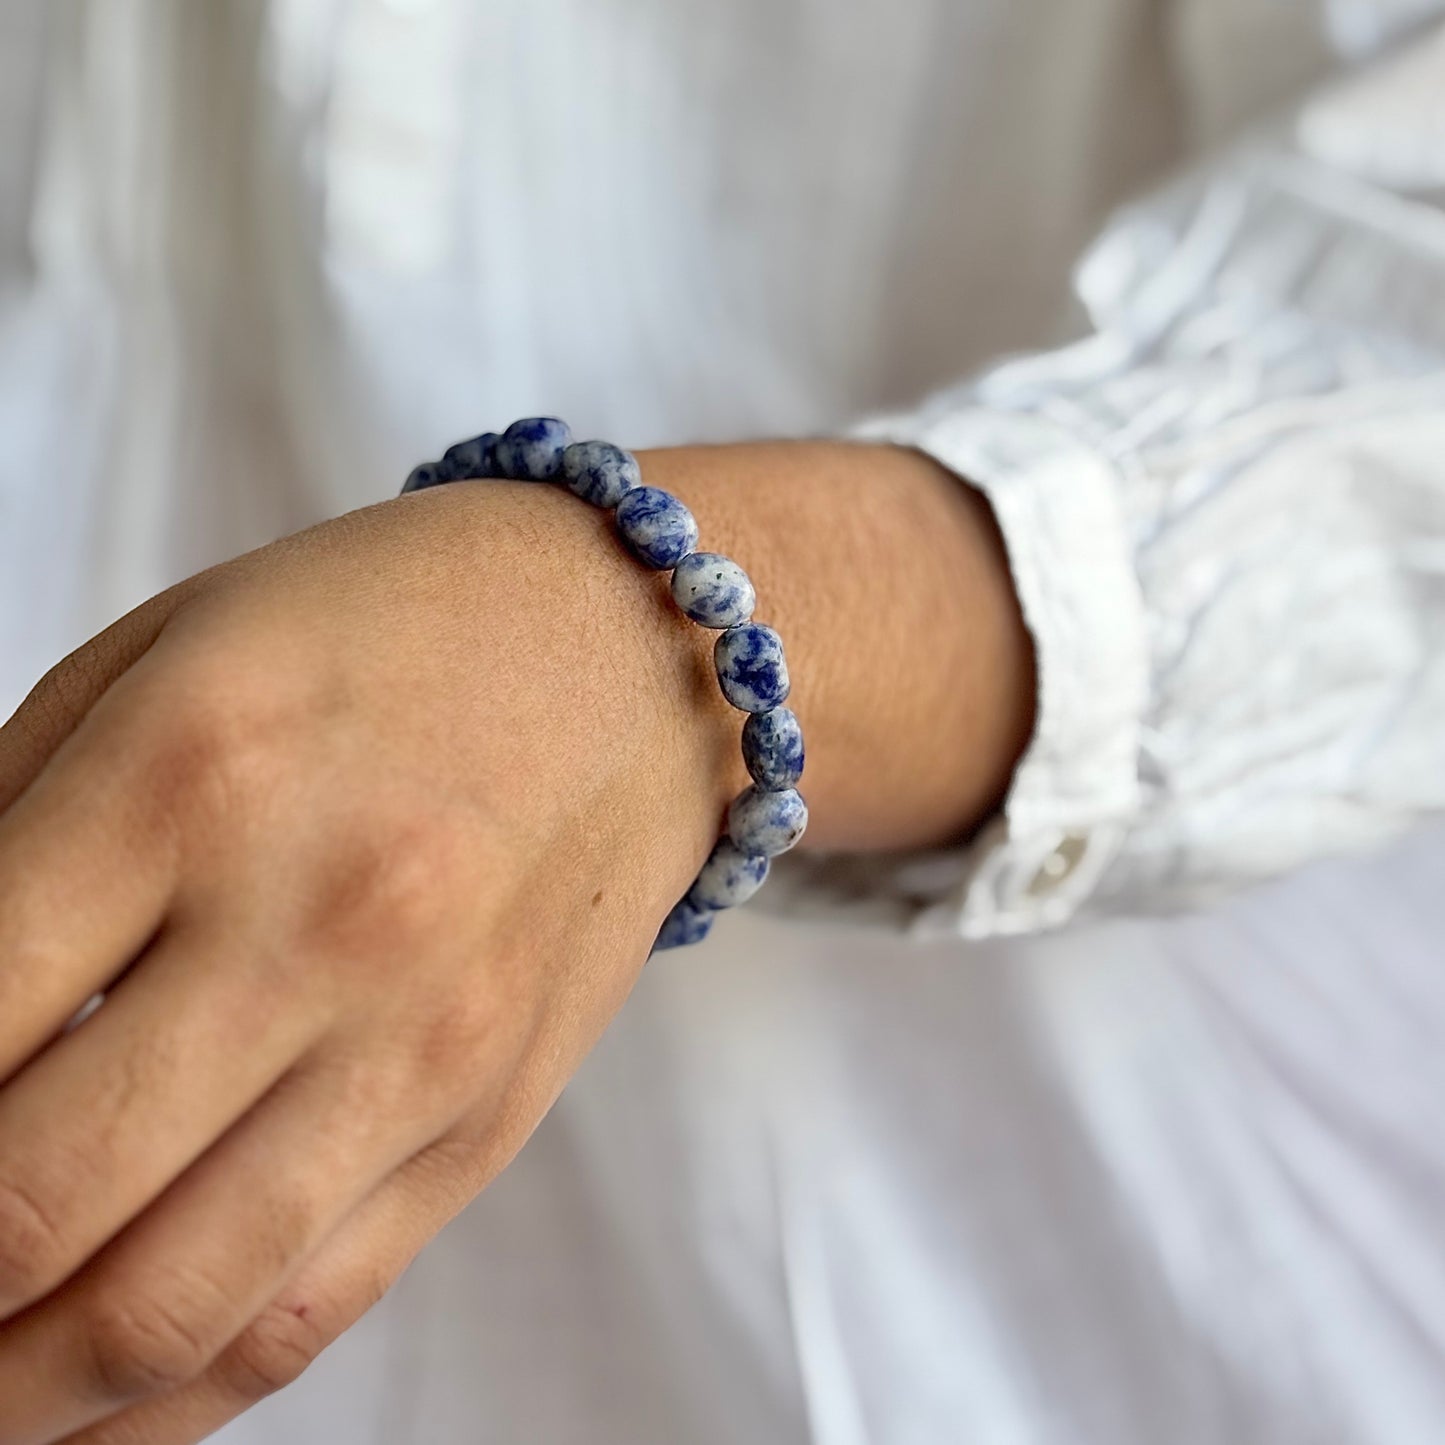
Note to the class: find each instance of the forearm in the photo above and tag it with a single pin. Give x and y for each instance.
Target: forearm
(912, 670)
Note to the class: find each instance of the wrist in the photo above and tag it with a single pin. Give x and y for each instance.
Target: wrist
(913, 672)
(600, 693)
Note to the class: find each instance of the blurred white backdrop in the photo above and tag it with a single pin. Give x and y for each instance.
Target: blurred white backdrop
(1162, 1181)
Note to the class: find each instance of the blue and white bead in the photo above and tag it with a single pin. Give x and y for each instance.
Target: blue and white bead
(599, 472)
(471, 460)
(428, 474)
(713, 590)
(767, 823)
(531, 450)
(685, 925)
(729, 877)
(773, 749)
(656, 526)
(751, 668)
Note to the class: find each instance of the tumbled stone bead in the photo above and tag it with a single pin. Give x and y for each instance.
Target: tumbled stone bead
(773, 749)
(428, 474)
(471, 460)
(766, 822)
(713, 590)
(687, 923)
(531, 450)
(656, 526)
(751, 668)
(729, 877)
(599, 472)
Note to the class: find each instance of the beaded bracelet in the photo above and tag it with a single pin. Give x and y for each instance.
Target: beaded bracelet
(765, 819)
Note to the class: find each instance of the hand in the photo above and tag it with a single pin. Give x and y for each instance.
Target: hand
(365, 837)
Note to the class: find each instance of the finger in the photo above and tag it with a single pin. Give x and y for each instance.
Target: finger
(156, 1310)
(99, 1124)
(345, 1278)
(88, 860)
(57, 703)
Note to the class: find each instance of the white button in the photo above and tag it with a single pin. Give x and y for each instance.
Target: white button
(1058, 865)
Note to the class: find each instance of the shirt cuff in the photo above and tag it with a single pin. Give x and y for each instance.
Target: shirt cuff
(1076, 790)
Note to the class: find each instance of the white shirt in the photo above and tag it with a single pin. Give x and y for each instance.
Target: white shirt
(1112, 1186)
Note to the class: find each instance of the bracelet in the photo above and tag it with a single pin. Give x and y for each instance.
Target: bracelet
(765, 819)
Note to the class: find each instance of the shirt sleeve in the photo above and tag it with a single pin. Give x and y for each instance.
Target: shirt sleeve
(1225, 514)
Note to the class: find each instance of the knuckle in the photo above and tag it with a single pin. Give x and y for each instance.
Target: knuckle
(364, 1091)
(272, 1352)
(145, 1344)
(403, 899)
(461, 1043)
(32, 1244)
(376, 1091)
(459, 1165)
(396, 886)
(208, 758)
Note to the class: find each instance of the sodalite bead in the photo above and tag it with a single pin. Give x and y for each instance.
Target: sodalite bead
(773, 749)
(471, 460)
(729, 877)
(656, 526)
(767, 823)
(751, 668)
(531, 449)
(428, 474)
(686, 924)
(599, 472)
(713, 590)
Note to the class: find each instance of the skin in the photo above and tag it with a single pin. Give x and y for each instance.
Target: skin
(366, 836)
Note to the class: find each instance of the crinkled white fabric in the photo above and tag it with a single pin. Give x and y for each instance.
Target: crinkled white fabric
(1177, 1180)
(1225, 512)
